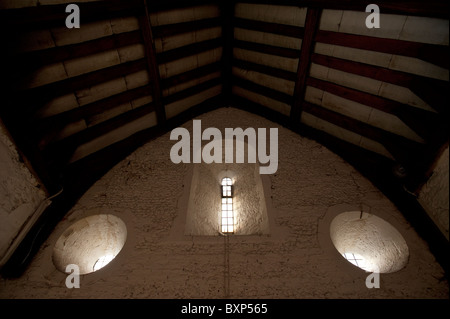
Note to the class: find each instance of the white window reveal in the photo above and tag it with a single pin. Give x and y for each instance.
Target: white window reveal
(103, 261)
(355, 259)
(227, 219)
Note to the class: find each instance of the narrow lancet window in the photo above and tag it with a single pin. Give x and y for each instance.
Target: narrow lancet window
(227, 223)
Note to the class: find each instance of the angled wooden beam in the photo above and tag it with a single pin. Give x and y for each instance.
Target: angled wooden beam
(94, 163)
(192, 90)
(48, 16)
(269, 27)
(207, 105)
(259, 109)
(188, 50)
(60, 120)
(433, 8)
(262, 90)
(31, 61)
(179, 4)
(267, 49)
(304, 64)
(78, 50)
(425, 123)
(191, 75)
(431, 90)
(31, 99)
(153, 69)
(436, 54)
(264, 69)
(407, 152)
(365, 98)
(184, 27)
(363, 69)
(61, 151)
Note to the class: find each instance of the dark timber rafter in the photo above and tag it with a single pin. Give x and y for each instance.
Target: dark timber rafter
(304, 64)
(150, 52)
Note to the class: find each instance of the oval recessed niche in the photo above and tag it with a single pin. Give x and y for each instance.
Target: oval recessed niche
(90, 243)
(369, 242)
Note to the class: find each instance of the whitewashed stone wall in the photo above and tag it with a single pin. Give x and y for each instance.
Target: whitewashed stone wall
(20, 195)
(295, 260)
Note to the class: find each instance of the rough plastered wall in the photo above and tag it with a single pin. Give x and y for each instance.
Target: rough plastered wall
(192, 62)
(434, 195)
(20, 195)
(296, 260)
(416, 29)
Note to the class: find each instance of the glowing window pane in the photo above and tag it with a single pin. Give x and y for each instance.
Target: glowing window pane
(227, 181)
(226, 191)
(227, 221)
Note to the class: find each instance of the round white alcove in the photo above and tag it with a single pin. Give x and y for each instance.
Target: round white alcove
(369, 242)
(90, 243)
